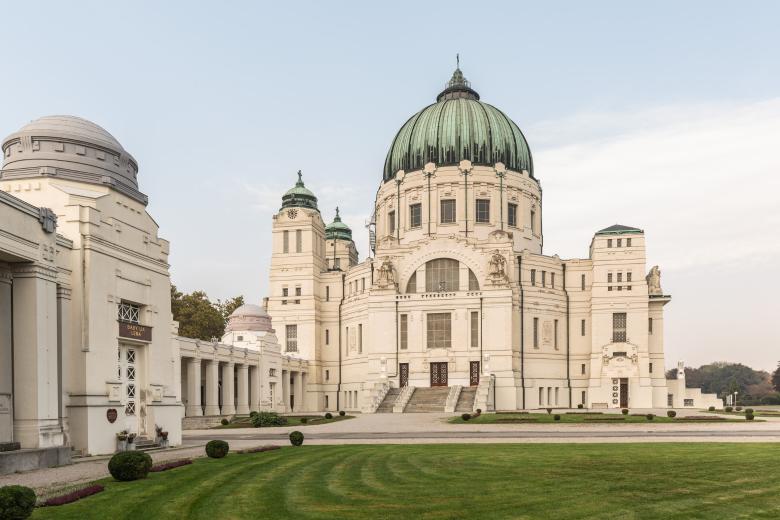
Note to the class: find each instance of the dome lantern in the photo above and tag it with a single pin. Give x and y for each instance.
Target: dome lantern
(337, 229)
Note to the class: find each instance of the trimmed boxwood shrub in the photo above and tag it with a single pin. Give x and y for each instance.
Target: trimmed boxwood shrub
(296, 438)
(342, 413)
(728, 409)
(556, 417)
(711, 408)
(738, 408)
(130, 465)
(224, 422)
(217, 449)
(329, 415)
(749, 410)
(268, 419)
(580, 406)
(749, 416)
(479, 411)
(16, 502)
(466, 416)
(650, 417)
(671, 413)
(624, 411)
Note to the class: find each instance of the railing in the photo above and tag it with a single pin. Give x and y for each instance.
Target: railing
(452, 398)
(377, 395)
(403, 399)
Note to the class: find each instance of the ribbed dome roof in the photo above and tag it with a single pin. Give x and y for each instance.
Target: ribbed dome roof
(337, 229)
(458, 126)
(71, 127)
(299, 196)
(249, 317)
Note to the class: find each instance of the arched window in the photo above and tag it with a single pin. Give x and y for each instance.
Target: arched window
(473, 283)
(442, 274)
(411, 285)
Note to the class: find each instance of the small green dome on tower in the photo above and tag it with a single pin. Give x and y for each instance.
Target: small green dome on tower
(299, 196)
(337, 229)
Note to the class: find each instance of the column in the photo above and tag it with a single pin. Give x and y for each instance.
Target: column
(36, 385)
(228, 390)
(299, 393)
(285, 391)
(242, 406)
(6, 368)
(254, 402)
(64, 354)
(194, 407)
(212, 388)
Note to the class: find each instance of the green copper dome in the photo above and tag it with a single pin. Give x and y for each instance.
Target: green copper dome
(458, 126)
(299, 196)
(337, 229)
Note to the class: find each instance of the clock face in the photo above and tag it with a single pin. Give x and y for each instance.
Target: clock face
(292, 213)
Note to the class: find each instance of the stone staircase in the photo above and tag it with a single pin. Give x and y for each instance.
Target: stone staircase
(466, 399)
(146, 444)
(428, 400)
(386, 406)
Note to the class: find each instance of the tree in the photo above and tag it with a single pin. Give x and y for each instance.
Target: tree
(776, 378)
(231, 304)
(197, 316)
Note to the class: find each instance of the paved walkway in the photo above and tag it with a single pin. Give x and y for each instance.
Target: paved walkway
(420, 429)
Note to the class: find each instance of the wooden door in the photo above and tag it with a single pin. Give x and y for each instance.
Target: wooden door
(474, 373)
(624, 393)
(403, 374)
(438, 374)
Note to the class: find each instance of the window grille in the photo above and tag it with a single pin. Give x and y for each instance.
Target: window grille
(483, 211)
(448, 211)
(511, 212)
(404, 332)
(474, 329)
(411, 286)
(609, 277)
(129, 313)
(442, 274)
(619, 327)
(473, 282)
(291, 338)
(415, 216)
(439, 328)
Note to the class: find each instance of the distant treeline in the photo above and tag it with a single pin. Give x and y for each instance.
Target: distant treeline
(721, 378)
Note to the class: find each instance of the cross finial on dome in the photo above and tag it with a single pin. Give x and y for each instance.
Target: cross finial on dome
(300, 179)
(337, 218)
(457, 60)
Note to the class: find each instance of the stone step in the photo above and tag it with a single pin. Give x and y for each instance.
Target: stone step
(466, 399)
(426, 400)
(387, 403)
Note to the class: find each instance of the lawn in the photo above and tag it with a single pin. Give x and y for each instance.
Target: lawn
(292, 420)
(437, 481)
(579, 417)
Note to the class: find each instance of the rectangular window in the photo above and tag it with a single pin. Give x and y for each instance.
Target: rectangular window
(448, 211)
(628, 242)
(582, 328)
(360, 338)
(619, 287)
(620, 242)
(337, 263)
(536, 332)
(415, 216)
(285, 292)
(285, 241)
(609, 277)
(511, 214)
(439, 330)
(474, 329)
(327, 336)
(482, 211)
(609, 242)
(362, 285)
(650, 367)
(327, 375)
(619, 327)
(582, 369)
(298, 290)
(129, 313)
(544, 278)
(291, 336)
(649, 325)
(533, 276)
(298, 240)
(327, 293)
(628, 276)
(609, 288)
(555, 334)
(533, 221)
(687, 402)
(620, 277)
(404, 332)
(583, 398)
(391, 222)
(552, 280)
(582, 281)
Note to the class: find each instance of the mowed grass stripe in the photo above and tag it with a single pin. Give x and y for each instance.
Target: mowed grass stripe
(437, 481)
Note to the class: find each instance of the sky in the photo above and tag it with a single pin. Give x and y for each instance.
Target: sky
(659, 115)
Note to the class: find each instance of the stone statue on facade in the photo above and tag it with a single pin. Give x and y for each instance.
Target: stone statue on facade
(497, 267)
(654, 281)
(386, 276)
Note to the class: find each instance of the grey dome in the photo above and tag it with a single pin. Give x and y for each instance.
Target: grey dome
(249, 317)
(72, 148)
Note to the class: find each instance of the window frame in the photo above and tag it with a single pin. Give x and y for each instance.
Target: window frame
(438, 330)
(482, 211)
(511, 214)
(454, 211)
(418, 207)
